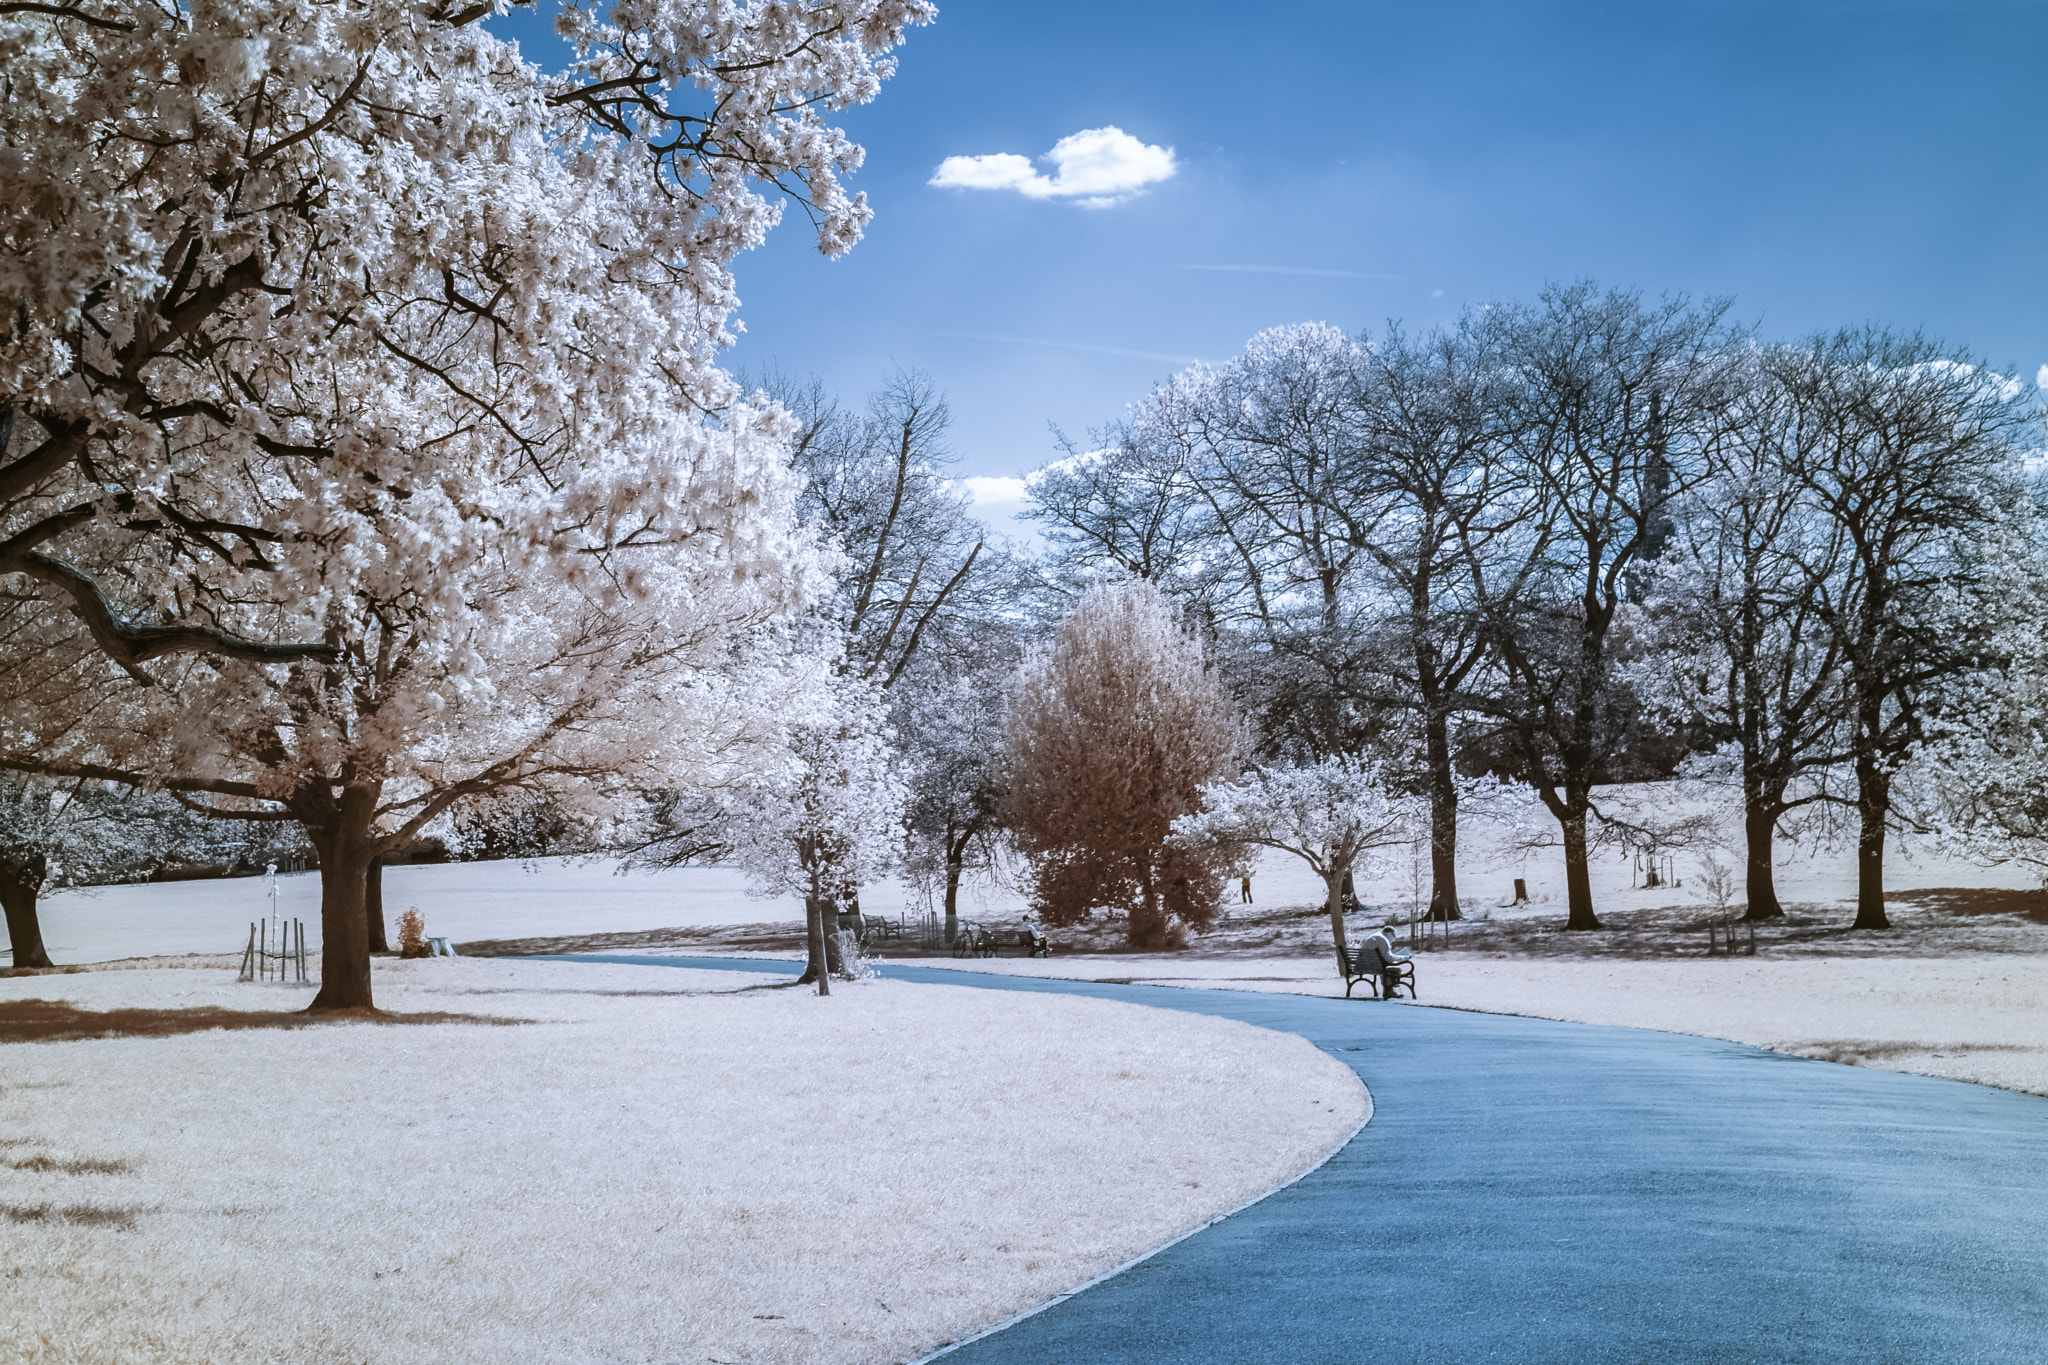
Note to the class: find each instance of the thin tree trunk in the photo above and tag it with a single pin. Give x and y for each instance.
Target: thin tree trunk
(1760, 830)
(1333, 882)
(343, 843)
(1578, 882)
(19, 885)
(835, 951)
(1873, 803)
(1443, 822)
(1147, 924)
(953, 870)
(814, 924)
(373, 906)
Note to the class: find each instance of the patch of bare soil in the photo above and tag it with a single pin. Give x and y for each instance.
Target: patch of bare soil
(1871, 1052)
(50, 1021)
(753, 938)
(1979, 900)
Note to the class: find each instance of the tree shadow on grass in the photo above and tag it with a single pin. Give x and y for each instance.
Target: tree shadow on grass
(51, 1021)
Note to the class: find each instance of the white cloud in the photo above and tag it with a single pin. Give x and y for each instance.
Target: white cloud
(1096, 167)
(2041, 379)
(1002, 171)
(987, 490)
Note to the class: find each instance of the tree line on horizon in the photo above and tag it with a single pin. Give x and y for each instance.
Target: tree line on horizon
(1591, 539)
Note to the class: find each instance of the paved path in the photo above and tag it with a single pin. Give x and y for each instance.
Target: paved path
(1532, 1192)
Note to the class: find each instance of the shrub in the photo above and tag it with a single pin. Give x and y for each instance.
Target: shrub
(412, 933)
(1113, 732)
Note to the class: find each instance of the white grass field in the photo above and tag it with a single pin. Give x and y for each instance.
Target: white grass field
(665, 1165)
(659, 1165)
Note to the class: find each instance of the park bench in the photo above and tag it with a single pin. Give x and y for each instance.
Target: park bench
(978, 940)
(1347, 967)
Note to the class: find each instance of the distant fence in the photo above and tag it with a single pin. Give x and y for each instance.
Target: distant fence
(1429, 932)
(275, 948)
(1722, 935)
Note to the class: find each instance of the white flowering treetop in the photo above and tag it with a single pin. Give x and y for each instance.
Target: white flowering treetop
(356, 382)
(1330, 815)
(830, 819)
(1979, 783)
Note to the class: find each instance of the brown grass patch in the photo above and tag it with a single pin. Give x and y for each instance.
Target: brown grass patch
(82, 1215)
(82, 1166)
(1857, 1051)
(51, 1021)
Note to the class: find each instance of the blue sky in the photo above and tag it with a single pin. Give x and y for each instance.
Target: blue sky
(1823, 162)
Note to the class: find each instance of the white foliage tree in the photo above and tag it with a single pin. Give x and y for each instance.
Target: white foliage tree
(830, 819)
(950, 723)
(1981, 782)
(352, 375)
(1331, 815)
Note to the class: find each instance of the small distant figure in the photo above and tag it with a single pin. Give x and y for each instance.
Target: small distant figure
(1245, 886)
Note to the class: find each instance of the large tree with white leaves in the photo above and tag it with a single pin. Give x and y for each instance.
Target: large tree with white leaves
(353, 381)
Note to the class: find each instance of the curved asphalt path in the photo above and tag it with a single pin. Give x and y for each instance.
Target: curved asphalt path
(1531, 1191)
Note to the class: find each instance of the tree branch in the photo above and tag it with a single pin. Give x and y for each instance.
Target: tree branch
(318, 124)
(215, 813)
(63, 12)
(132, 646)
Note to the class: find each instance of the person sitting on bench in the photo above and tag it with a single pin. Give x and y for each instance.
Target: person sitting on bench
(1377, 955)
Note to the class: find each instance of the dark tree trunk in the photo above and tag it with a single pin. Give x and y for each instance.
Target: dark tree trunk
(953, 870)
(1333, 883)
(1578, 882)
(20, 883)
(1443, 822)
(373, 906)
(1760, 830)
(1148, 925)
(814, 926)
(343, 840)
(1873, 804)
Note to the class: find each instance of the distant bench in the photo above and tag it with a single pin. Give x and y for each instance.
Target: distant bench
(978, 940)
(1347, 967)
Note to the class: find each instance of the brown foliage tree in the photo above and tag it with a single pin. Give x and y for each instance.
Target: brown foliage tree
(1112, 733)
